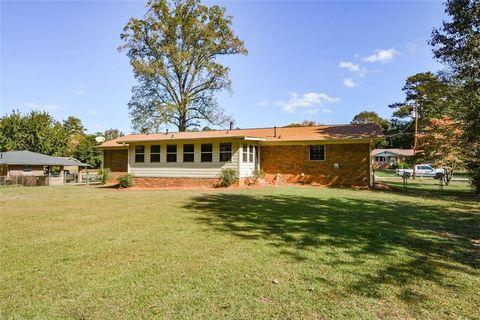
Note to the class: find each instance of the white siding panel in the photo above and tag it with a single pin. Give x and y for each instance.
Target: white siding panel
(246, 169)
(180, 169)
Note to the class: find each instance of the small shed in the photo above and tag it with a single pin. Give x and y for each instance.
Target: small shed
(36, 168)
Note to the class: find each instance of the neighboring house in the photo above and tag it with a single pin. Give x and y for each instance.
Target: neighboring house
(14, 164)
(327, 155)
(385, 158)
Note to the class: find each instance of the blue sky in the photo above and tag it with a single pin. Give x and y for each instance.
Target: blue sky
(318, 60)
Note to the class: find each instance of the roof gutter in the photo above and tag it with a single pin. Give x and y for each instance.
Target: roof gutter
(194, 138)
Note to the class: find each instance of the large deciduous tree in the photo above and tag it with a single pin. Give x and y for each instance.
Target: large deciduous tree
(441, 142)
(457, 44)
(39, 132)
(36, 132)
(112, 133)
(366, 117)
(173, 51)
(86, 152)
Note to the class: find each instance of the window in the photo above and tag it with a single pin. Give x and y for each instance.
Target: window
(172, 153)
(188, 153)
(155, 153)
(225, 152)
(317, 152)
(245, 153)
(248, 153)
(379, 159)
(139, 153)
(207, 152)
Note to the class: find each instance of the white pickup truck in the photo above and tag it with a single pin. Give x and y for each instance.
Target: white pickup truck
(422, 170)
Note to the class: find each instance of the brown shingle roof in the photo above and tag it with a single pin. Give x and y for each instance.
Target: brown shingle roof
(283, 134)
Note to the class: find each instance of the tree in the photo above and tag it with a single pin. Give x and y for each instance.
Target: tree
(441, 142)
(173, 51)
(430, 95)
(86, 151)
(456, 44)
(36, 132)
(366, 117)
(12, 132)
(75, 129)
(399, 134)
(112, 134)
(305, 123)
(73, 125)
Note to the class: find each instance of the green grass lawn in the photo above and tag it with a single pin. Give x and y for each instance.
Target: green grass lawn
(100, 253)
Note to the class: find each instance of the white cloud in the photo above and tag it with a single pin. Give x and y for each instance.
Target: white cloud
(349, 65)
(306, 100)
(80, 89)
(310, 111)
(263, 103)
(47, 108)
(382, 55)
(353, 67)
(325, 110)
(349, 83)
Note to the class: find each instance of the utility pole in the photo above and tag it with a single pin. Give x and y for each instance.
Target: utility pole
(415, 141)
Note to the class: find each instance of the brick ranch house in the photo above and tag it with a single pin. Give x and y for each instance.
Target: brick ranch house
(327, 155)
(386, 158)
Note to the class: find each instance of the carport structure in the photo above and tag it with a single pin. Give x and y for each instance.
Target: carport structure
(36, 168)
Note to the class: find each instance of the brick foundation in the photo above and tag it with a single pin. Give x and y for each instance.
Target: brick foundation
(163, 182)
(291, 164)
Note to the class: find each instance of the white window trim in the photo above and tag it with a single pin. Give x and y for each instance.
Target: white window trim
(159, 153)
(220, 152)
(175, 153)
(206, 152)
(139, 153)
(244, 147)
(247, 148)
(184, 153)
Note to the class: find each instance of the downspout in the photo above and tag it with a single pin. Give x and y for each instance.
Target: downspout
(372, 178)
(128, 159)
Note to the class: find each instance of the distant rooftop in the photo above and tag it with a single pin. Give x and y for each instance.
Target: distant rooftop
(32, 158)
(399, 152)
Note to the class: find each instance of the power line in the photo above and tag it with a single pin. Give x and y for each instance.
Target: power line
(401, 132)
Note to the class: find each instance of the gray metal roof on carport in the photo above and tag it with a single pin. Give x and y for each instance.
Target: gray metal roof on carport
(32, 158)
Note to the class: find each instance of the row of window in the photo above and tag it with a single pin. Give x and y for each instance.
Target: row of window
(317, 152)
(206, 153)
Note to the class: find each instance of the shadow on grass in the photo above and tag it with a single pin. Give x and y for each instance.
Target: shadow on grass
(432, 237)
(109, 186)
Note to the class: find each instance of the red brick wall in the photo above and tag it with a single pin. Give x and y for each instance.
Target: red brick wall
(291, 161)
(116, 161)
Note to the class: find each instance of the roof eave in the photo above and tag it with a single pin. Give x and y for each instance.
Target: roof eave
(192, 138)
(329, 141)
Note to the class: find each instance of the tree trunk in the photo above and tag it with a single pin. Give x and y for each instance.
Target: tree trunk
(182, 122)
